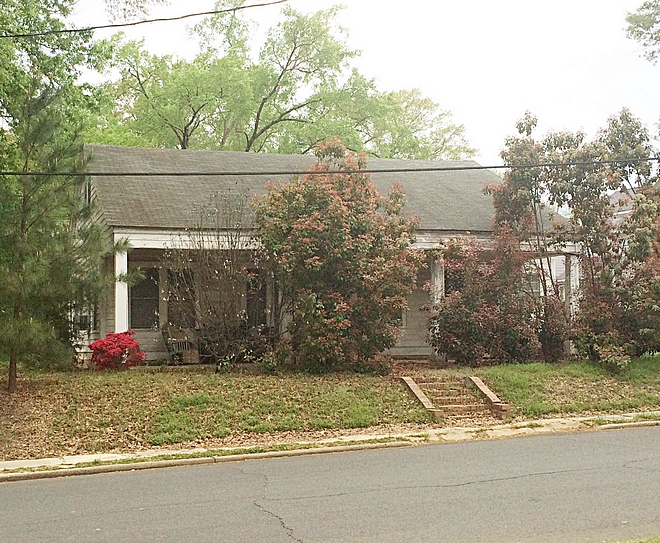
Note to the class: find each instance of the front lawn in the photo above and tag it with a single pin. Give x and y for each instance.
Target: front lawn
(578, 387)
(76, 413)
(87, 412)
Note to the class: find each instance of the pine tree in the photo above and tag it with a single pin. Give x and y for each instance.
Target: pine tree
(49, 250)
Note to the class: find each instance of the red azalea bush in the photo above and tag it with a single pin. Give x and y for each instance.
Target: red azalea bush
(116, 351)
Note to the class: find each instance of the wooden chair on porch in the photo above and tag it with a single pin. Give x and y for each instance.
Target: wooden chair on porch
(182, 345)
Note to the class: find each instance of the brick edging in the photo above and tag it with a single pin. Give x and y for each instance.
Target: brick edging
(499, 408)
(423, 398)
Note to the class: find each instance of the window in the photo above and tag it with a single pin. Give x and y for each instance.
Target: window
(181, 299)
(144, 301)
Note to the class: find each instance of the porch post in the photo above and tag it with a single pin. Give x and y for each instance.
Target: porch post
(437, 280)
(121, 292)
(568, 286)
(568, 298)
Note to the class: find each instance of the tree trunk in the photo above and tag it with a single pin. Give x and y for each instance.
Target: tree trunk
(13, 354)
(11, 386)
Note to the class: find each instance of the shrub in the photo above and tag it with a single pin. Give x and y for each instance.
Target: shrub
(620, 308)
(341, 255)
(116, 351)
(612, 357)
(487, 315)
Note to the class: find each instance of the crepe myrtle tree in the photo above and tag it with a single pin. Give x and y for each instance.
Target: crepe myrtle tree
(341, 255)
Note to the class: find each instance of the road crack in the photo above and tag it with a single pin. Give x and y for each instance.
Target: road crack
(262, 508)
(443, 486)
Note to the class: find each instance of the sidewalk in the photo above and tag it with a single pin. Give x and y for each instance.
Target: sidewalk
(148, 459)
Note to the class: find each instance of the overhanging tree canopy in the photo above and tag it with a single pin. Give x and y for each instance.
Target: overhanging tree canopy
(294, 93)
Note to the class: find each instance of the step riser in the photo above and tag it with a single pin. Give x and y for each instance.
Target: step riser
(461, 409)
(453, 401)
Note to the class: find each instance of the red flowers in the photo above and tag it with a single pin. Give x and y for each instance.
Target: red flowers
(116, 351)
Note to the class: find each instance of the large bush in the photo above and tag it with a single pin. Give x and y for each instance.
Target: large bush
(487, 313)
(340, 255)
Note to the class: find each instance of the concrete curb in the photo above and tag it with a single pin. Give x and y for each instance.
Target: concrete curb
(176, 462)
(632, 424)
(48, 468)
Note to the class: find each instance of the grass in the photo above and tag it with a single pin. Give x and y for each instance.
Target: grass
(544, 389)
(227, 404)
(87, 412)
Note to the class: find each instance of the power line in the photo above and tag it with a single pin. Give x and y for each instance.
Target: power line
(621, 161)
(135, 23)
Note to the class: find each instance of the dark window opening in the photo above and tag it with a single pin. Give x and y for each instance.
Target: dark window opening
(256, 300)
(144, 301)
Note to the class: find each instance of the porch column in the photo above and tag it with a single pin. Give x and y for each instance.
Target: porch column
(568, 297)
(437, 280)
(121, 292)
(568, 286)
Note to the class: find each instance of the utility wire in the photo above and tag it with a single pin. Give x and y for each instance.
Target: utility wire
(621, 161)
(135, 23)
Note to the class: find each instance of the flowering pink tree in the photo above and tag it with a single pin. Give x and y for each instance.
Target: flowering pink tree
(489, 312)
(340, 255)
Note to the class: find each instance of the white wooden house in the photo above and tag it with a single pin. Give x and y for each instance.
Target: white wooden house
(155, 212)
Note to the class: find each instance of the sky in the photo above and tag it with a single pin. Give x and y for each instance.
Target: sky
(568, 62)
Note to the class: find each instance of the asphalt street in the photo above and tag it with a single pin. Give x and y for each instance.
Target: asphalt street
(579, 487)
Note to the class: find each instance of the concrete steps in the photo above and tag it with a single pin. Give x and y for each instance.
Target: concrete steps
(453, 401)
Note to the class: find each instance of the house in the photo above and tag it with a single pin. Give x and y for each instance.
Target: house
(622, 207)
(155, 211)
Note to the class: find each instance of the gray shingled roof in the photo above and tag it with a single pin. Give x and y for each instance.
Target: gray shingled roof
(446, 201)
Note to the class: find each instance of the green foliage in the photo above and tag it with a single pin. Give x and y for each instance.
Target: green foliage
(583, 386)
(619, 290)
(219, 406)
(521, 205)
(163, 101)
(287, 97)
(487, 314)
(340, 253)
(180, 420)
(612, 358)
(129, 9)
(619, 315)
(49, 250)
(400, 124)
(644, 27)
